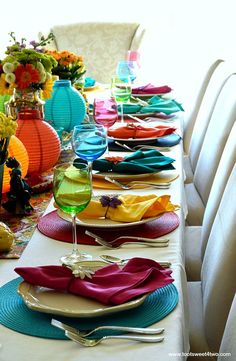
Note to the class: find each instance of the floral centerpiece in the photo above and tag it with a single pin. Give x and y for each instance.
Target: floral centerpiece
(69, 65)
(27, 69)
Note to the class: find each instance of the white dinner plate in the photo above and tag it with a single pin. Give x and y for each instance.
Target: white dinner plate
(103, 222)
(66, 304)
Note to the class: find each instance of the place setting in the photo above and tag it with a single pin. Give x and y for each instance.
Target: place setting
(31, 303)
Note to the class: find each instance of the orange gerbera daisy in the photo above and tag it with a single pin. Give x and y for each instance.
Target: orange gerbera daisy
(26, 75)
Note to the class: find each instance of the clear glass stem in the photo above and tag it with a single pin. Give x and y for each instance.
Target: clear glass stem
(75, 250)
(121, 113)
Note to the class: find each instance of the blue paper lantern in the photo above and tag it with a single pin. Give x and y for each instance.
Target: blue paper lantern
(66, 108)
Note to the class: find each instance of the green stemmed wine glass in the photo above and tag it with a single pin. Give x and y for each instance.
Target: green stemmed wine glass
(121, 91)
(72, 190)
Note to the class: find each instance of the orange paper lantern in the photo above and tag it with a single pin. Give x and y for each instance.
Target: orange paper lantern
(40, 140)
(15, 149)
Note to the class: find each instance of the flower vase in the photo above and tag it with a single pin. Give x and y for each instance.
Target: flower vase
(66, 108)
(23, 101)
(3, 100)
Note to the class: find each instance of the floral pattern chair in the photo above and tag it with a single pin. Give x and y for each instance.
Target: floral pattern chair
(102, 45)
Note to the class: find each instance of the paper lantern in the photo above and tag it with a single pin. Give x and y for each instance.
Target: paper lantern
(40, 140)
(15, 149)
(66, 108)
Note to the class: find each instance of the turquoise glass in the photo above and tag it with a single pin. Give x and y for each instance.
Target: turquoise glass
(66, 108)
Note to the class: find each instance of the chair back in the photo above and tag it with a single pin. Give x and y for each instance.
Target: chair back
(190, 121)
(102, 44)
(219, 267)
(227, 162)
(228, 344)
(220, 125)
(222, 72)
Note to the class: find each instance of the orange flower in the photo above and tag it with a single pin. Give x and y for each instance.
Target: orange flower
(26, 75)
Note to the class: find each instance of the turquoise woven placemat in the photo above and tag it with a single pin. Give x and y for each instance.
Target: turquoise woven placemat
(15, 315)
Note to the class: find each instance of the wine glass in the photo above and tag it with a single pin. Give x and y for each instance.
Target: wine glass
(121, 91)
(89, 142)
(105, 112)
(127, 68)
(72, 190)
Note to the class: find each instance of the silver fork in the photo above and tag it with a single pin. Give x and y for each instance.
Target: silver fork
(142, 146)
(139, 330)
(153, 242)
(90, 343)
(132, 184)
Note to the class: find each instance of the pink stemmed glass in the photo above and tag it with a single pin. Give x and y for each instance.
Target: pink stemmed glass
(105, 112)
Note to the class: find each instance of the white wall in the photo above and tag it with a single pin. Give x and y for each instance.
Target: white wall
(183, 36)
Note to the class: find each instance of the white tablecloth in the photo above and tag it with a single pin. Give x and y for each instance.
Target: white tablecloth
(42, 250)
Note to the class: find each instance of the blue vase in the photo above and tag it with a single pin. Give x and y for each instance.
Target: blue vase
(66, 108)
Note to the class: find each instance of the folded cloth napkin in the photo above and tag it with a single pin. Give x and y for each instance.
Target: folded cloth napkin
(109, 285)
(156, 104)
(105, 109)
(89, 82)
(128, 207)
(133, 131)
(151, 89)
(139, 162)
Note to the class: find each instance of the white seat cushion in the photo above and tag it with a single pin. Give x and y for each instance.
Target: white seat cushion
(198, 343)
(195, 205)
(193, 262)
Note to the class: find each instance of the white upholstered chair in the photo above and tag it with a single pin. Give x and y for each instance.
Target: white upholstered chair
(196, 237)
(210, 299)
(102, 44)
(220, 75)
(189, 121)
(228, 343)
(220, 125)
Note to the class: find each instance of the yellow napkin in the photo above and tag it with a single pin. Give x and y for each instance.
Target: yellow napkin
(132, 209)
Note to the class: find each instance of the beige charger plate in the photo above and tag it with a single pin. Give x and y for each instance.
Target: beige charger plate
(65, 304)
(103, 222)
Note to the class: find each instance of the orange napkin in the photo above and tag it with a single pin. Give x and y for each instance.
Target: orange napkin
(138, 131)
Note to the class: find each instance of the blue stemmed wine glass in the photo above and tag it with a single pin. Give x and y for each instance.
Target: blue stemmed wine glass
(127, 68)
(89, 142)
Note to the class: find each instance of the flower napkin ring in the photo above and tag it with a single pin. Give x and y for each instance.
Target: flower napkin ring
(107, 201)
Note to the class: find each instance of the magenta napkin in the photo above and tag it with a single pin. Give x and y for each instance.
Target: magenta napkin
(151, 89)
(109, 285)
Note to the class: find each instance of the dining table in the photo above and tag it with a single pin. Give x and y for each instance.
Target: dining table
(45, 250)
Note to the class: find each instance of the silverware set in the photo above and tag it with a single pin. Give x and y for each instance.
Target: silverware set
(141, 147)
(151, 242)
(133, 184)
(137, 334)
(122, 261)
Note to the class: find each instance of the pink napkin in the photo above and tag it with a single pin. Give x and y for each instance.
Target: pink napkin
(109, 285)
(151, 89)
(105, 109)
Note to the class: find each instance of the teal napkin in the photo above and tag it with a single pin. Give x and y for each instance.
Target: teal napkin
(156, 104)
(139, 162)
(89, 82)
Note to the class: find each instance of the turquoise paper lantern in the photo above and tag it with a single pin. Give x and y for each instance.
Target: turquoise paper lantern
(66, 108)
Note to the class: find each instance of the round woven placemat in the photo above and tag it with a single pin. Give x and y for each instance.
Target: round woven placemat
(15, 315)
(53, 226)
